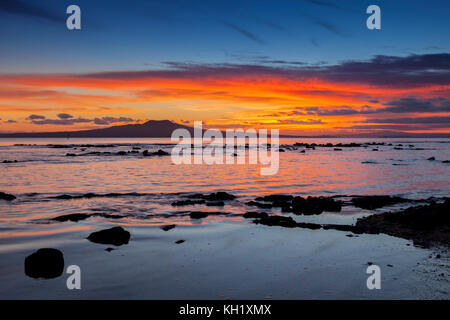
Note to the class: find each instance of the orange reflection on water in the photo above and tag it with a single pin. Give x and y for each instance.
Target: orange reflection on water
(43, 232)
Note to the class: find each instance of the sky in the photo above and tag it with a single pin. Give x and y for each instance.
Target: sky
(303, 66)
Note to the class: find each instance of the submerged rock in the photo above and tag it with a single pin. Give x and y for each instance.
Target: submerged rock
(187, 203)
(63, 197)
(45, 263)
(116, 236)
(276, 198)
(328, 145)
(286, 222)
(375, 202)
(217, 196)
(109, 216)
(75, 217)
(281, 221)
(6, 196)
(95, 195)
(259, 204)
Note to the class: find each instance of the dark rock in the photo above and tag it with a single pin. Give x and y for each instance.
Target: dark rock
(59, 146)
(122, 153)
(341, 227)
(75, 217)
(198, 215)
(63, 197)
(312, 226)
(157, 153)
(431, 159)
(252, 215)
(259, 204)
(215, 204)
(94, 195)
(337, 149)
(109, 249)
(315, 205)
(286, 222)
(281, 221)
(275, 198)
(375, 202)
(281, 204)
(45, 263)
(168, 227)
(187, 203)
(180, 241)
(109, 216)
(329, 145)
(6, 196)
(218, 196)
(71, 155)
(116, 236)
(446, 161)
(425, 225)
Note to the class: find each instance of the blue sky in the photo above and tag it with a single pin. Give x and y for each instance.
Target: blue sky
(137, 35)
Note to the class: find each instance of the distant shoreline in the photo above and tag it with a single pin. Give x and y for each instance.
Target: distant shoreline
(165, 128)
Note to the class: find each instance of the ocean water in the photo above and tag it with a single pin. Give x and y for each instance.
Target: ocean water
(223, 256)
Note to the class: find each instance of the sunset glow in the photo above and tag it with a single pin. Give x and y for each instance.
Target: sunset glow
(222, 96)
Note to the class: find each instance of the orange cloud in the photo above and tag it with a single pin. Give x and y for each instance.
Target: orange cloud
(240, 96)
